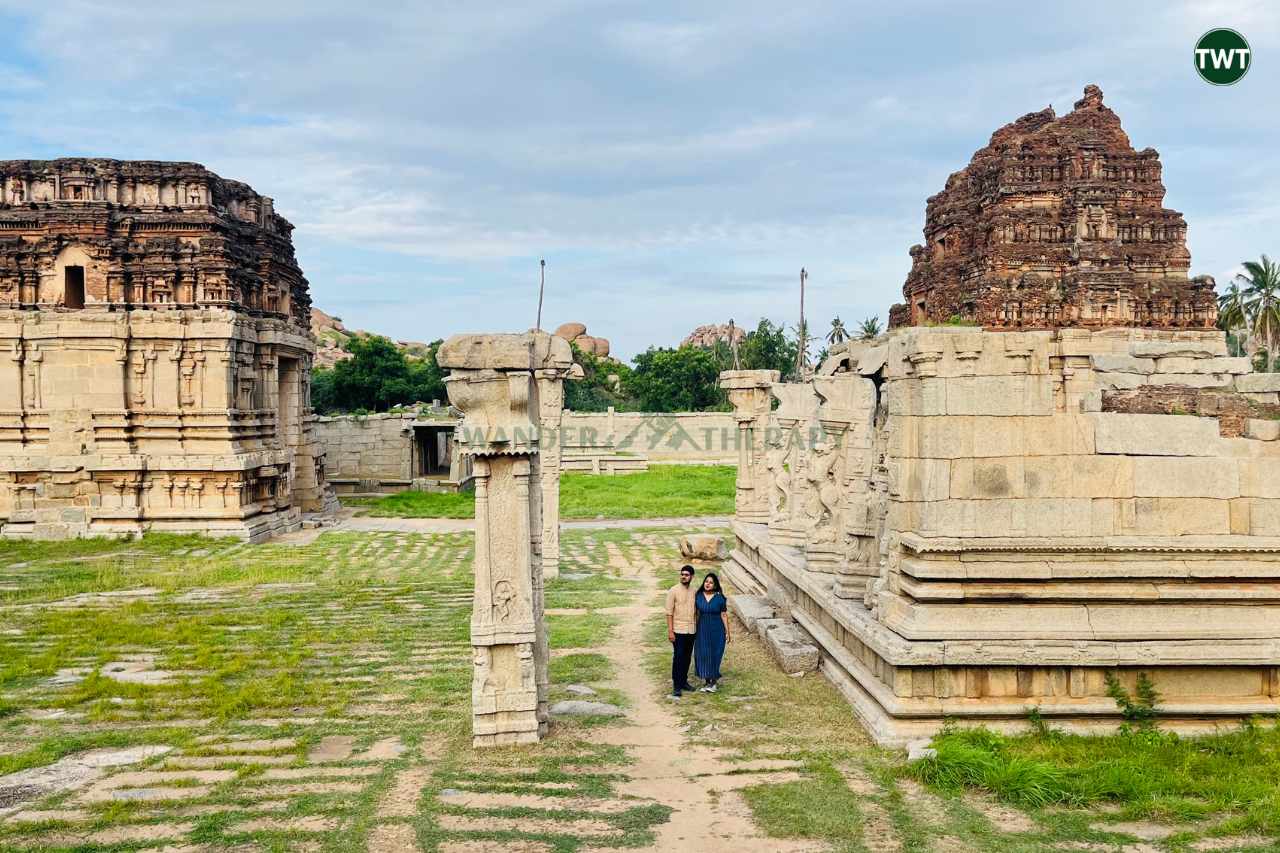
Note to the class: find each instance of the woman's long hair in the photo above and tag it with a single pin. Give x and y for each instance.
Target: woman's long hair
(715, 579)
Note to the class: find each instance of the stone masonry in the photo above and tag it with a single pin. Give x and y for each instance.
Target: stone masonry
(497, 381)
(1012, 534)
(156, 375)
(1058, 221)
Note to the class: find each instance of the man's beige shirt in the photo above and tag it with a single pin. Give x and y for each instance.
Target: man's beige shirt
(682, 609)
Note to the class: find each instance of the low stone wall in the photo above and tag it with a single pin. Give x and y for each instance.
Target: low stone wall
(662, 437)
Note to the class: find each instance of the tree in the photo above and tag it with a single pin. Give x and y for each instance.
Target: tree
(597, 390)
(838, 334)
(377, 377)
(869, 328)
(1233, 318)
(767, 347)
(1261, 283)
(676, 380)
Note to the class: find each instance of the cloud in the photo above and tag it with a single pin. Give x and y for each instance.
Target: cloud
(676, 164)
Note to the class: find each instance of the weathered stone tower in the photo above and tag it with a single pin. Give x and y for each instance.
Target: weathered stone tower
(1056, 222)
(155, 332)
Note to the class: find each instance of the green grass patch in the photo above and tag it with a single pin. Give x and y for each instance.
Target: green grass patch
(664, 491)
(1152, 774)
(418, 505)
(580, 668)
(584, 631)
(821, 807)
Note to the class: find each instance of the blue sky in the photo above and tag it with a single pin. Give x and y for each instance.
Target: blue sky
(675, 163)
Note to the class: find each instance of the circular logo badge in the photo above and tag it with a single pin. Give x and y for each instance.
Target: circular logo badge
(1222, 57)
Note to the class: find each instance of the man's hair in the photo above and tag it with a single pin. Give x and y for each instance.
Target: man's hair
(688, 569)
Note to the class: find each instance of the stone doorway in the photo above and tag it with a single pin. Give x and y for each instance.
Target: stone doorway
(432, 451)
(73, 287)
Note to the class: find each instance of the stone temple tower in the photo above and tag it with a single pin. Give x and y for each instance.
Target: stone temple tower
(155, 354)
(1057, 222)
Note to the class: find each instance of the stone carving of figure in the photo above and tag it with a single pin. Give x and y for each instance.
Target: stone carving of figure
(481, 681)
(18, 192)
(733, 345)
(503, 594)
(775, 461)
(823, 505)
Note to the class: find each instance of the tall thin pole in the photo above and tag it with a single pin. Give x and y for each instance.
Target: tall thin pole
(542, 285)
(803, 331)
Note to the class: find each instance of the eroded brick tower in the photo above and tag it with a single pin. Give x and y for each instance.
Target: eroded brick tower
(1056, 222)
(155, 354)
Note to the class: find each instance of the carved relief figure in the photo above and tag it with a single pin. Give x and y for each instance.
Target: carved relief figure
(779, 478)
(503, 595)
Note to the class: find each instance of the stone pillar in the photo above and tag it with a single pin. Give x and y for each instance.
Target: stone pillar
(496, 380)
(787, 461)
(550, 382)
(847, 415)
(749, 394)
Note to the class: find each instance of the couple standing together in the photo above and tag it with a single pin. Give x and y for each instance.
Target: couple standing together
(697, 626)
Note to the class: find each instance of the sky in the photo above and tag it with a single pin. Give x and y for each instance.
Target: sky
(675, 163)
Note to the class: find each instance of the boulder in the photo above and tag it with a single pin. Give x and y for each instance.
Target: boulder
(750, 609)
(569, 331)
(703, 546)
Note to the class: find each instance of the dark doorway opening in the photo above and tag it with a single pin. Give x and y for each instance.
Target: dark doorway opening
(73, 287)
(433, 447)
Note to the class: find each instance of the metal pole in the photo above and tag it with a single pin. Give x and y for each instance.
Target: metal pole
(542, 284)
(803, 331)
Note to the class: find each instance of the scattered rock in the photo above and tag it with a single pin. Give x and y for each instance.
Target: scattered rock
(920, 749)
(580, 690)
(791, 647)
(582, 708)
(703, 546)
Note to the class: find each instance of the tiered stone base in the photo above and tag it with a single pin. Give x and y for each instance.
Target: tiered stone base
(905, 688)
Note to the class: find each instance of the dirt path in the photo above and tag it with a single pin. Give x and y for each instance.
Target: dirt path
(709, 813)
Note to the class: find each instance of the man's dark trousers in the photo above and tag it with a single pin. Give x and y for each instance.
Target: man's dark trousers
(682, 653)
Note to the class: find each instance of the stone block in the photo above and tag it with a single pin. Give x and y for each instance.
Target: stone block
(1258, 383)
(1000, 395)
(1107, 363)
(1180, 516)
(792, 648)
(1259, 478)
(1172, 477)
(1262, 430)
(1155, 435)
(750, 610)
(1204, 348)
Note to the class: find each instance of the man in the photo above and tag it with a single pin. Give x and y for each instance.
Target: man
(682, 624)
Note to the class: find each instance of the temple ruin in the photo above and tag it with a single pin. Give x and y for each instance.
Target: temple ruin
(958, 523)
(158, 350)
(1056, 222)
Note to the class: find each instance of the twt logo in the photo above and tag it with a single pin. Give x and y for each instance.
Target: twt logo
(1222, 57)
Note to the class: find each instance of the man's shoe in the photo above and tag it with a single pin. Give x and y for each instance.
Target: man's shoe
(674, 696)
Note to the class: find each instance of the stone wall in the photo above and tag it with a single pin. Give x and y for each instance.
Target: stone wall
(679, 437)
(968, 528)
(378, 453)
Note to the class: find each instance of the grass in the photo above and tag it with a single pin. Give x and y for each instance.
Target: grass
(664, 491)
(1233, 776)
(359, 634)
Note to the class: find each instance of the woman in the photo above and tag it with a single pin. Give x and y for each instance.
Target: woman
(713, 632)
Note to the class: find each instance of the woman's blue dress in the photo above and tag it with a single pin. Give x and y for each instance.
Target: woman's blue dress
(708, 643)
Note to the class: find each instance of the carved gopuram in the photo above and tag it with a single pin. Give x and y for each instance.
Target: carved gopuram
(1056, 222)
(1021, 514)
(499, 383)
(156, 354)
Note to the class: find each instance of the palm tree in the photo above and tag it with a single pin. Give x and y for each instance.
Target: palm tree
(838, 334)
(869, 328)
(1261, 282)
(1233, 318)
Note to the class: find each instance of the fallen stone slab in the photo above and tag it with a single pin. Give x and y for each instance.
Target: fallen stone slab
(750, 609)
(703, 546)
(583, 708)
(791, 647)
(580, 690)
